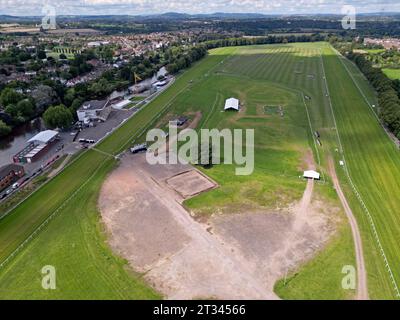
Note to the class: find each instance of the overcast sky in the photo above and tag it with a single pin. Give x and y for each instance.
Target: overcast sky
(134, 7)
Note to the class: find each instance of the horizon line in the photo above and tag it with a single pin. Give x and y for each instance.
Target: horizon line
(209, 13)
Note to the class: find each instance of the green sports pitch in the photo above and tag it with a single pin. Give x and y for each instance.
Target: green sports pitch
(60, 225)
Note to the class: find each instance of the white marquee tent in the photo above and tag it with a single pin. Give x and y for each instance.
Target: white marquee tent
(232, 104)
(311, 174)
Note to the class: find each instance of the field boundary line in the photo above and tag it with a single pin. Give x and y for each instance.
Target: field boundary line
(50, 217)
(103, 152)
(212, 109)
(358, 195)
(341, 58)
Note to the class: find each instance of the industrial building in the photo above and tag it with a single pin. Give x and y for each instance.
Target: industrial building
(37, 146)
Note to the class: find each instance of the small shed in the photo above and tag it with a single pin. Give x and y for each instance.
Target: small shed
(311, 174)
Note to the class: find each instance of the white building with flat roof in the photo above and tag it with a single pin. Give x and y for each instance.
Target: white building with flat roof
(122, 104)
(44, 137)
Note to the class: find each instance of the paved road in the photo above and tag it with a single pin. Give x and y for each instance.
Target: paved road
(362, 288)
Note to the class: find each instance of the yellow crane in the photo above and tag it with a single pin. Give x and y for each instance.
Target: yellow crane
(136, 77)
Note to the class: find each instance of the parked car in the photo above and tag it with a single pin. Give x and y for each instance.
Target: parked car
(15, 185)
(60, 148)
(82, 140)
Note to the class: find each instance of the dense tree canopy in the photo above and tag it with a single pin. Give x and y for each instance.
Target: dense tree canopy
(10, 96)
(4, 129)
(58, 117)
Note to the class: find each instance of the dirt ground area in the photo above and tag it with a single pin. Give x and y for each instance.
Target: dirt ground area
(273, 244)
(150, 228)
(230, 257)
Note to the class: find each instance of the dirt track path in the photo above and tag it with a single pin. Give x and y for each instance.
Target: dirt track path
(304, 205)
(362, 288)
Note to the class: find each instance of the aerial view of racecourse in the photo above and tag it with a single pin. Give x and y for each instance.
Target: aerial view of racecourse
(198, 158)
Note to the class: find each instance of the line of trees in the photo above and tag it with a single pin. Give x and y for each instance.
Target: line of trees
(181, 58)
(263, 40)
(388, 98)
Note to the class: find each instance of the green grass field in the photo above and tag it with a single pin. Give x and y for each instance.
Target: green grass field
(265, 77)
(372, 159)
(56, 55)
(392, 73)
(375, 51)
(374, 168)
(73, 239)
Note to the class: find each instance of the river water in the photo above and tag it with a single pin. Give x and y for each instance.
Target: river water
(17, 140)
